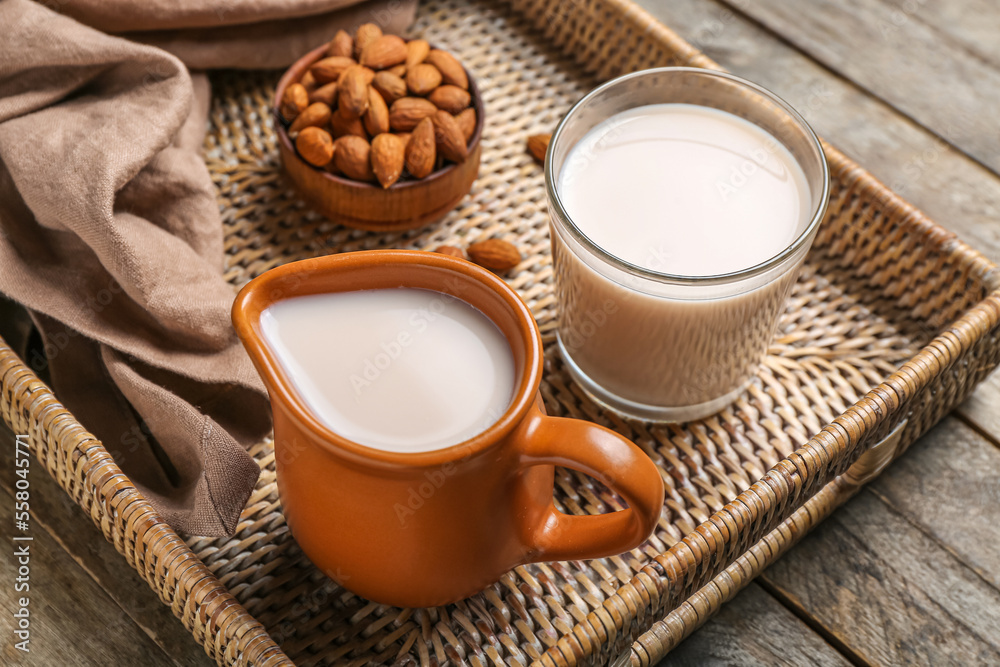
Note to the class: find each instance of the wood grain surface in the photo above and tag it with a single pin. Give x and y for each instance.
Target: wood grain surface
(72, 620)
(943, 495)
(755, 629)
(888, 590)
(116, 610)
(897, 52)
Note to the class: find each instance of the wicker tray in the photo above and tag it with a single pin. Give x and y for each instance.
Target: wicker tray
(891, 324)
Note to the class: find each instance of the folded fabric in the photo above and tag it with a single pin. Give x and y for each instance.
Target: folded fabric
(244, 34)
(110, 232)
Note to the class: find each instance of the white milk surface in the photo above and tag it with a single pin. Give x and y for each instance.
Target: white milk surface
(402, 370)
(685, 190)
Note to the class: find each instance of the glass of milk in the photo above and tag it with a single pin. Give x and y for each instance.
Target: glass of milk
(682, 203)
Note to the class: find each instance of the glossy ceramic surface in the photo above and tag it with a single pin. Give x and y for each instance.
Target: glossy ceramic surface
(425, 529)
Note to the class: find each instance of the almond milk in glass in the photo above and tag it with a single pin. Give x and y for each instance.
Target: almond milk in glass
(682, 203)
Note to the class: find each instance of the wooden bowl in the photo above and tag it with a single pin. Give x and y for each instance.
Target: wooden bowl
(406, 204)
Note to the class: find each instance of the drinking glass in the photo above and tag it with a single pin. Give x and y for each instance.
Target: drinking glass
(658, 346)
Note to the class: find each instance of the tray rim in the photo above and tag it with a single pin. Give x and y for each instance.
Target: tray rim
(229, 633)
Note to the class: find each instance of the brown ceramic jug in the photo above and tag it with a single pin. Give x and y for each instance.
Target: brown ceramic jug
(429, 528)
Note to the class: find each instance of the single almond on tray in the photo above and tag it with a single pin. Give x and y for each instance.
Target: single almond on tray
(342, 44)
(314, 115)
(293, 101)
(450, 98)
(416, 51)
(353, 156)
(454, 251)
(422, 79)
(467, 123)
(330, 69)
(326, 94)
(420, 150)
(386, 51)
(538, 144)
(389, 86)
(495, 255)
(315, 145)
(365, 35)
(376, 119)
(406, 112)
(387, 158)
(352, 93)
(448, 137)
(451, 70)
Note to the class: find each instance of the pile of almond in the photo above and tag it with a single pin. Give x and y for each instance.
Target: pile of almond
(377, 107)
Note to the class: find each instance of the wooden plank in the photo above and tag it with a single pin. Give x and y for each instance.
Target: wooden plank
(953, 189)
(95, 560)
(948, 486)
(972, 24)
(983, 408)
(900, 59)
(753, 629)
(890, 592)
(72, 621)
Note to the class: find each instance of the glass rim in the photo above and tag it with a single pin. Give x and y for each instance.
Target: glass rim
(678, 279)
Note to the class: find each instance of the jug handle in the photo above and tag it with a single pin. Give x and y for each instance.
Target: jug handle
(607, 457)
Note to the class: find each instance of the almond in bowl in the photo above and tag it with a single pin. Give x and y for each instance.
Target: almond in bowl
(378, 132)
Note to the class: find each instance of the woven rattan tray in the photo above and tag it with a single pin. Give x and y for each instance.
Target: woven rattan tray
(891, 324)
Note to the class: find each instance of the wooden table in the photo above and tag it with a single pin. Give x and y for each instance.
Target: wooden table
(906, 573)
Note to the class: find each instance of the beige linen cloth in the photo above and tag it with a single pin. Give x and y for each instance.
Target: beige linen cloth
(110, 232)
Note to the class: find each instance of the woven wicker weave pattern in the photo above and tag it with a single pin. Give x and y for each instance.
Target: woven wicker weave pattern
(881, 283)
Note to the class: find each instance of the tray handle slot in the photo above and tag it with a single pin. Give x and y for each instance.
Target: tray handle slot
(871, 464)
